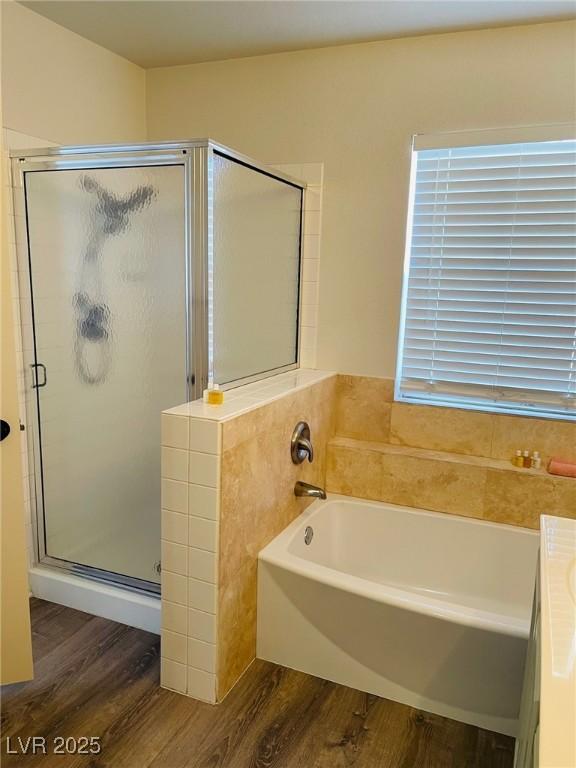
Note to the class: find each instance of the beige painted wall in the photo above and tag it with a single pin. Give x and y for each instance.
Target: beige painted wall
(65, 88)
(15, 633)
(356, 108)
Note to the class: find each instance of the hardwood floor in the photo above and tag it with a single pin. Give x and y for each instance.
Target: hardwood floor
(98, 678)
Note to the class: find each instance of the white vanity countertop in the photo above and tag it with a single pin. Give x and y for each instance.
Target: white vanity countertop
(558, 638)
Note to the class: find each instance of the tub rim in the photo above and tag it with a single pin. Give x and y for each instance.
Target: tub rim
(277, 553)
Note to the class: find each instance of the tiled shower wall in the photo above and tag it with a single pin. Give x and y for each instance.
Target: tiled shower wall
(313, 174)
(227, 490)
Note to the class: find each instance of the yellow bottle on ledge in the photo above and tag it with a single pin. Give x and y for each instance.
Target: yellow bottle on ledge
(213, 395)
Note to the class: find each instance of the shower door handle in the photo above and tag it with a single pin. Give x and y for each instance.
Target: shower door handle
(37, 384)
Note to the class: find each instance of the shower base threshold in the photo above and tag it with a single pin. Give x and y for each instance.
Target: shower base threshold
(96, 598)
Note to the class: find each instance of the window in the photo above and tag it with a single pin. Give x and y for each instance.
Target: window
(489, 304)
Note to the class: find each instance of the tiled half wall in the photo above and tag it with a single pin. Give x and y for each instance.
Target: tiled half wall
(227, 490)
(228, 480)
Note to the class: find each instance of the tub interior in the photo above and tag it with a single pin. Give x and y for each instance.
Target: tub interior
(457, 560)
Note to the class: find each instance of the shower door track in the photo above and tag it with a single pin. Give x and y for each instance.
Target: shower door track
(195, 173)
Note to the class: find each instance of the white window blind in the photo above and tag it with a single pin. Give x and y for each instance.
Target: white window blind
(489, 306)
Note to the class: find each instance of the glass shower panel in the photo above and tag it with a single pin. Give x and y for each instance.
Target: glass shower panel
(107, 261)
(256, 270)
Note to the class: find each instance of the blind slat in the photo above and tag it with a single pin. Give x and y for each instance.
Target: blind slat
(475, 197)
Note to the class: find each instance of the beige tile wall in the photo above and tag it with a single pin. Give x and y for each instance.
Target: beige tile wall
(227, 490)
(190, 506)
(446, 459)
(228, 480)
(257, 503)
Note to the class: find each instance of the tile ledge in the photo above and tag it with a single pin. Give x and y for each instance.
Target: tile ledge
(423, 453)
(252, 396)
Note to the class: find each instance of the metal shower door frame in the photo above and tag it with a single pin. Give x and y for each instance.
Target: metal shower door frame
(193, 160)
(197, 158)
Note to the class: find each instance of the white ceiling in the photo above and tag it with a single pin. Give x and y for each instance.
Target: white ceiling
(155, 33)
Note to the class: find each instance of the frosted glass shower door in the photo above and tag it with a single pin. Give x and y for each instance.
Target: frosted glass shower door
(108, 277)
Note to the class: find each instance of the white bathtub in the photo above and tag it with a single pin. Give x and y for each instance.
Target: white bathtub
(427, 609)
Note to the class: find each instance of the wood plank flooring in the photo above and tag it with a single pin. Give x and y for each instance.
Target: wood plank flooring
(98, 678)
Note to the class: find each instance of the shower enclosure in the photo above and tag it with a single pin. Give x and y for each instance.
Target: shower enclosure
(147, 271)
